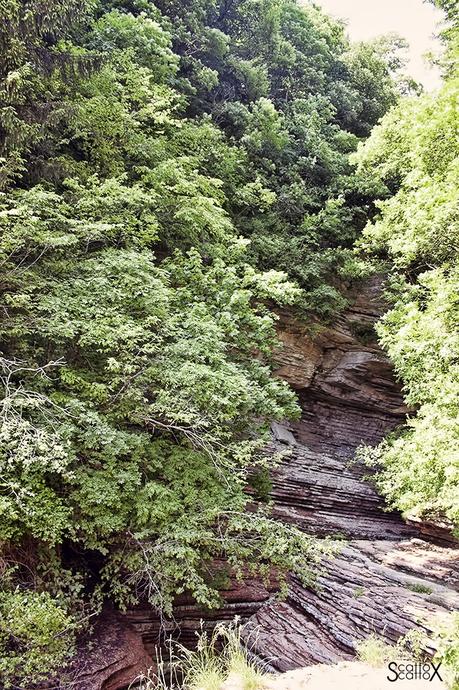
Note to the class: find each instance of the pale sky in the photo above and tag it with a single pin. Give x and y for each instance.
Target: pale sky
(415, 20)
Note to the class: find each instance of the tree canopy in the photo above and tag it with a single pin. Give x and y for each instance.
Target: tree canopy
(412, 158)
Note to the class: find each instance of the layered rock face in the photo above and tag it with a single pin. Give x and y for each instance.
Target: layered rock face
(376, 586)
(349, 397)
(113, 659)
(344, 381)
(240, 599)
(385, 580)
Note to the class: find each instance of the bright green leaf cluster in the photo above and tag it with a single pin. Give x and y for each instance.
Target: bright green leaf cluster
(412, 158)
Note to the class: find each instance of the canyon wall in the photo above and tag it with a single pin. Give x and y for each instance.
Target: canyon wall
(390, 576)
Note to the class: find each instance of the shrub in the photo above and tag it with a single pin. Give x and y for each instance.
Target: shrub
(36, 637)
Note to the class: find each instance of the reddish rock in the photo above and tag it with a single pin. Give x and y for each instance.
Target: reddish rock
(240, 599)
(114, 657)
(379, 587)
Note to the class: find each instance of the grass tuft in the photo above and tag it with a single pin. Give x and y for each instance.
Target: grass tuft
(219, 662)
(374, 651)
(420, 588)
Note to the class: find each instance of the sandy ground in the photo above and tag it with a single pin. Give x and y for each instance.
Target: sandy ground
(348, 676)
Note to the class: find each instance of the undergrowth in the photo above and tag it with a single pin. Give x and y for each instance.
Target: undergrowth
(220, 657)
(377, 653)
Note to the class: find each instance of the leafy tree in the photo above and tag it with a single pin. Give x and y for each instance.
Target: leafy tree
(35, 635)
(285, 85)
(450, 8)
(412, 161)
(36, 64)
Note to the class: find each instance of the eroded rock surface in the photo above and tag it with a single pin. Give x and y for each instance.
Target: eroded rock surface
(344, 381)
(240, 599)
(381, 587)
(114, 659)
(386, 580)
(325, 494)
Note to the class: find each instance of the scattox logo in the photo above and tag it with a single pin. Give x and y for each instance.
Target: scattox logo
(417, 671)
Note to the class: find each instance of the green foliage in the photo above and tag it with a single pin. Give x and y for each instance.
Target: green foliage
(447, 639)
(374, 651)
(217, 658)
(36, 637)
(419, 588)
(412, 159)
(414, 152)
(34, 71)
(261, 483)
(288, 90)
(421, 336)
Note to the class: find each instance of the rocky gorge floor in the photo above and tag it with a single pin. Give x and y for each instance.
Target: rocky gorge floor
(389, 577)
